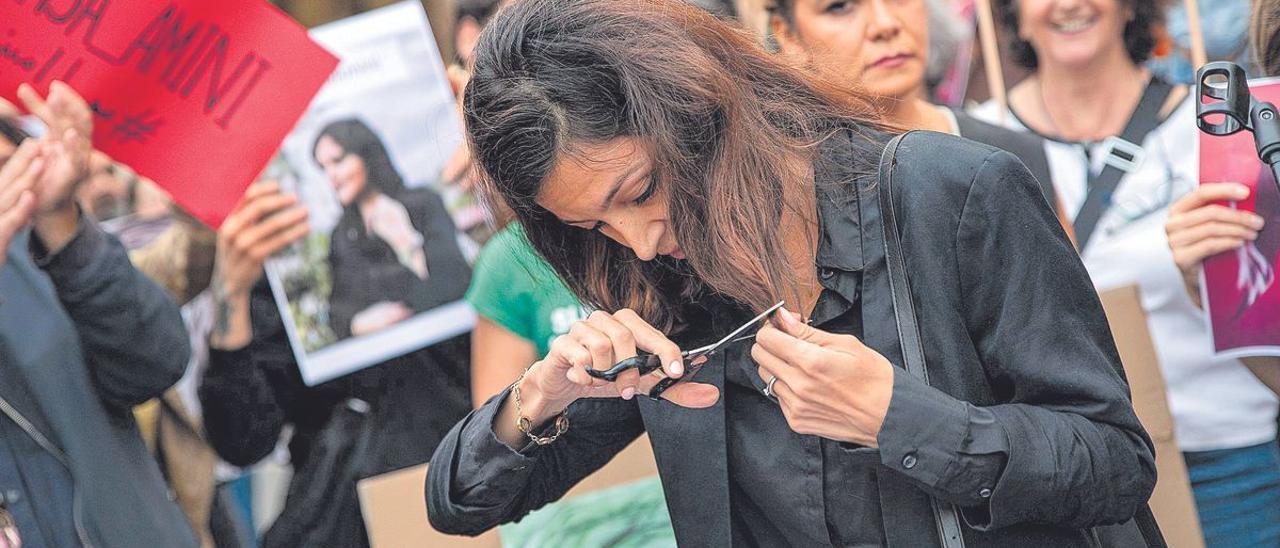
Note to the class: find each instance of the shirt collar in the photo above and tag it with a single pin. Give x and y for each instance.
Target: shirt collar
(840, 232)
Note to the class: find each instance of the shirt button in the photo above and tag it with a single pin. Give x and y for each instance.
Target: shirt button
(12, 496)
(909, 461)
(985, 493)
(826, 273)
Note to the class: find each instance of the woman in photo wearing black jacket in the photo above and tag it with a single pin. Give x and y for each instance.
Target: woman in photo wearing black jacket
(394, 252)
(681, 180)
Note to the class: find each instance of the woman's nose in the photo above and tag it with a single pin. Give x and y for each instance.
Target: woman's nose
(884, 22)
(635, 239)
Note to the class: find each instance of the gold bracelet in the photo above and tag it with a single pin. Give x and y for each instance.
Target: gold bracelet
(525, 425)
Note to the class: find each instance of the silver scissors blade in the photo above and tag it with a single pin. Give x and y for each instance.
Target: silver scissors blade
(731, 336)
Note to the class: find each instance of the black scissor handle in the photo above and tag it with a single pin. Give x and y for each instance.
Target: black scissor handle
(643, 362)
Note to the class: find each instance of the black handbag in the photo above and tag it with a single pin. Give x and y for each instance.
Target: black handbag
(1142, 529)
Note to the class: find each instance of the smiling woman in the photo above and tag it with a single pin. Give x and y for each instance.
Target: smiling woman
(681, 190)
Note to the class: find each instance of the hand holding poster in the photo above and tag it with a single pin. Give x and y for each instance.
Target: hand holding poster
(193, 94)
(1239, 289)
(385, 267)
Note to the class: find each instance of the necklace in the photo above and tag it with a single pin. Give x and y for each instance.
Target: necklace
(1053, 123)
(1057, 129)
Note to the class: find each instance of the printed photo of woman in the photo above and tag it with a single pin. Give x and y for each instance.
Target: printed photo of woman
(394, 252)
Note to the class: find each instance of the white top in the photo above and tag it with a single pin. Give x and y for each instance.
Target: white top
(1216, 403)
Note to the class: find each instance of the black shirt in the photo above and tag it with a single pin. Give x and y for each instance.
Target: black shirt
(366, 271)
(1025, 425)
(830, 493)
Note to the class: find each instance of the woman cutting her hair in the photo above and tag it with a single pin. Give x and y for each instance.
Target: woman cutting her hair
(679, 190)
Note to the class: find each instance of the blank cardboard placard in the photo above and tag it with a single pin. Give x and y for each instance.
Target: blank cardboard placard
(1171, 502)
(395, 510)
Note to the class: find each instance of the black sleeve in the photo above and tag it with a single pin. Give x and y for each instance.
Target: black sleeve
(343, 305)
(475, 482)
(1076, 453)
(131, 332)
(248, 395)
(449, 272)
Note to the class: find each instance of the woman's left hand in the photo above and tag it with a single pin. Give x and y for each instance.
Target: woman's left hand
(829, 385)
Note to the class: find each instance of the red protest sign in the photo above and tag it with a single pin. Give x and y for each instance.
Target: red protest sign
(194, 94)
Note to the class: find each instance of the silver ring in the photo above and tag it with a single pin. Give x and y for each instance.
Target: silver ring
(768, 388)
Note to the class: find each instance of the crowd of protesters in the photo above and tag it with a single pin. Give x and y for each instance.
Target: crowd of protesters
(658, 173)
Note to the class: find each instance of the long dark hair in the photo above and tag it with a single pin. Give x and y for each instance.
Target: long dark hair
(733, 132)
(356, 137)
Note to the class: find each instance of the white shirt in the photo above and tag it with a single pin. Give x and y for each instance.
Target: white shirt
(1216, 403)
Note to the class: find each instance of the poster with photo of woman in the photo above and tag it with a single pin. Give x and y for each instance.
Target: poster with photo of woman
(1240, 289)
(386, 265)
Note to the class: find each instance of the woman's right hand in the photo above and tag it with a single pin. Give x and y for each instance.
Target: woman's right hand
(379, 316)
(263, 223)
(599, 342)
(1198, 228)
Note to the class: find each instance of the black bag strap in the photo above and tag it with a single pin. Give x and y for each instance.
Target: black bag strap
(944, 515)
(1123, 155)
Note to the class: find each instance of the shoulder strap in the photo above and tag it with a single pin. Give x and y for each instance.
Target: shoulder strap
(1123, 155)
(944, 515)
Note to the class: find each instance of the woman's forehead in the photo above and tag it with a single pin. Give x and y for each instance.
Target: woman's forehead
(583, 179)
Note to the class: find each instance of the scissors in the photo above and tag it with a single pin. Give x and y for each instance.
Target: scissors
(646, 363)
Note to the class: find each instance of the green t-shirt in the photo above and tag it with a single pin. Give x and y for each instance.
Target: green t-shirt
(513, 287)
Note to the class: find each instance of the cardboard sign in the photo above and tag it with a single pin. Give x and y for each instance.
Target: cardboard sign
(1171, 502)
(1239, 288)
(395, 512)
(195, 95)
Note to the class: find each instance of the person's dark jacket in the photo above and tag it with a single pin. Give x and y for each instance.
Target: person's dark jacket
(376, 420)
(83, 338)
(366, 271)
(1011, 326)
(1026, 146)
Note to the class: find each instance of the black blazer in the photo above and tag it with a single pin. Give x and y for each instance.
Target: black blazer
(1010, 322)
(1026, 146)
(366, 271)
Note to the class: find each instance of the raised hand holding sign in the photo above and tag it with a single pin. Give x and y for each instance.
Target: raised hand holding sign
(194, 95)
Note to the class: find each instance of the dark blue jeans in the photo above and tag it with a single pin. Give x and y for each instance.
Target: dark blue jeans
(1237, 493)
